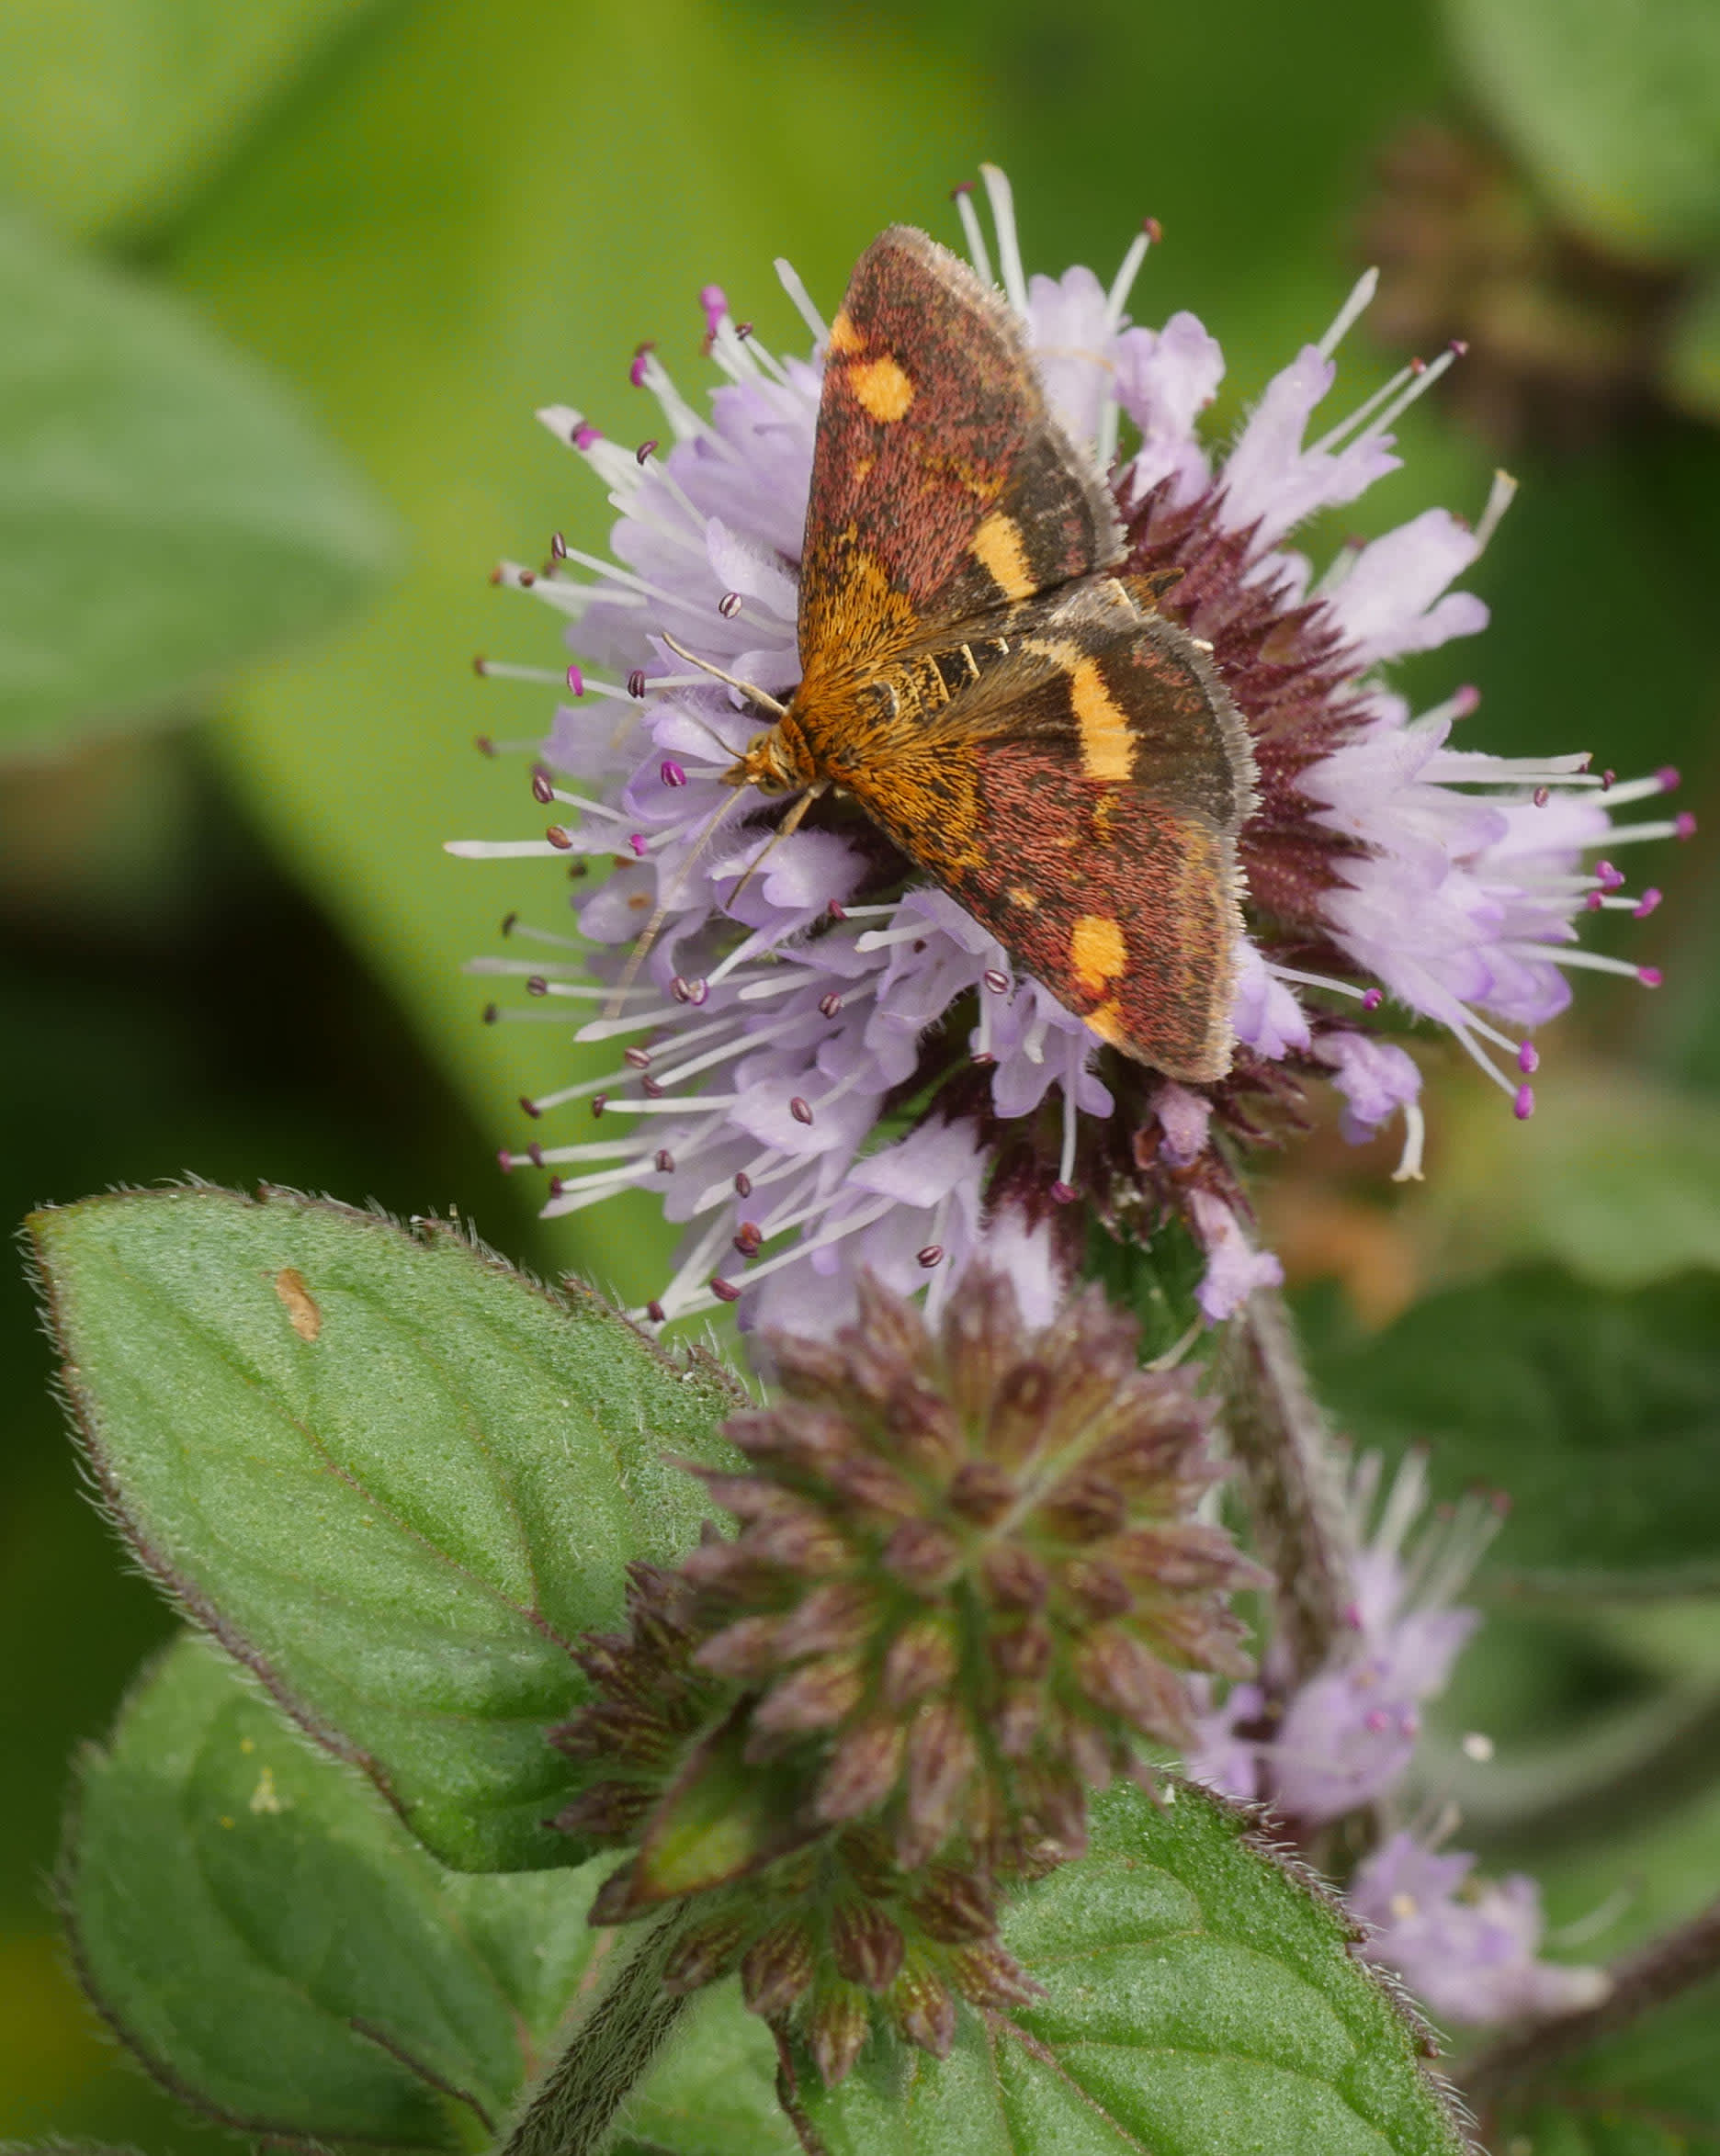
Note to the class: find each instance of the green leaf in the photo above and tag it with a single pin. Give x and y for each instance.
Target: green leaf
(1651, 2090)
(1593, 1411)
(391, 1474)
(112, 110)
(164, 511)
(1614, 106)
(1690, 372)
(1617, 1177)
(1203, 2000)
(275, 1947)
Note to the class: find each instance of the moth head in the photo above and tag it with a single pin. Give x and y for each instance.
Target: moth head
(770, 765)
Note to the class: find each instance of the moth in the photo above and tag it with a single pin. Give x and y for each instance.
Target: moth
(1008, 707)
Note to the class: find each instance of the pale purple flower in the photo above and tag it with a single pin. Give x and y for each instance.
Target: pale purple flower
(794, 1002)
(1467, 1946)
(1346, 1736)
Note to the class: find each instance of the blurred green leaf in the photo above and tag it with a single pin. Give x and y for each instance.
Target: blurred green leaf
(1202, 2000)
(1690, 370)
(1651, 2090)
(1616, 1177)
(164, 512)
(393, 1476)
(111, 109)
(1596, 1412)
(272, 1944)
(1614, 106)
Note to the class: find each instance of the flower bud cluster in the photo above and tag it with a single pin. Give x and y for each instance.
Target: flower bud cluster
(966, 1586)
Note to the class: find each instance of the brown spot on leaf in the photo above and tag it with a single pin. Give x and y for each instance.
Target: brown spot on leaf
(297, 1300)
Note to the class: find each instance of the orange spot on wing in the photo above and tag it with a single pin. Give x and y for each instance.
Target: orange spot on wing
(844, 337)
(882, 391)
(998, 548)
(1098, 951)
(1106, 738)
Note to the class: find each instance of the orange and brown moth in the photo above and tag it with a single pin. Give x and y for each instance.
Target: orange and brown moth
(1013, 712)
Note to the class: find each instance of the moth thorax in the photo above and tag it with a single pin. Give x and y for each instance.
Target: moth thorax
(773, 762)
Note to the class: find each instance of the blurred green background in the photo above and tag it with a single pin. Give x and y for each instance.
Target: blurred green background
(280, 284)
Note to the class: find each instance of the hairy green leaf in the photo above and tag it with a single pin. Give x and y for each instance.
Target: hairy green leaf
(1202, 2000)
(1614, 106)
(276, 1948)
(391, 1474)
(164, 511)
(1593, 1411)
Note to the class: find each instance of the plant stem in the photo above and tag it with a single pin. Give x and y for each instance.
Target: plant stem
(1284, 1449)
(1648, 1978)
(570, 2111)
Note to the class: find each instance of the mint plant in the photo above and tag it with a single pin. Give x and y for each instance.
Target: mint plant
(1005, 1734)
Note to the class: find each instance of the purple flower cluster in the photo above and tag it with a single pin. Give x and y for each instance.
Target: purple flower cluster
(1345, 1738)
(828, 1066)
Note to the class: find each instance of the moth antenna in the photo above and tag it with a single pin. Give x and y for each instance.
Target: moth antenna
(764, 702)
(660, 913)
(786, 829)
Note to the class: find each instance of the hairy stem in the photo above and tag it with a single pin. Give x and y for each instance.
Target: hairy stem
(1289, 1469)
(570, 2111)
(1648, 1978)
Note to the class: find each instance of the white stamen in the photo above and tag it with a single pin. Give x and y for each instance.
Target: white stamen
(1623, 791)
(978, 253)
(1003, 202)
(1071, 1119)
(1365, 411)
(1634, 835)
(1319, 980)
(504, 669)
(1408, 1168)
(1417, 388)
(1122, 284)
(1564, 954)
(685, 423)
(800, 301)
(500, 849)
(1361, 294)
(1499, 497)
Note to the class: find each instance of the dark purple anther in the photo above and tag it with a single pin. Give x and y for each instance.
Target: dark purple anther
(636, 373)
(639, 1057)
(536, 986)
(654, 1311)
(749, 1239)
(542, 790)
(576, 681)
(743, 1184)
(932, 1255)
(830, 1005)
(1062, 1194)
(664, 1162)
(531, 1106)
(636, 683)
(671, 772)
(645, 452)
(561, 838)
(800, 1110)
(724, 1291)
(997, 982)
(534, 1154)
